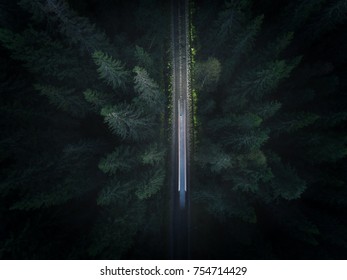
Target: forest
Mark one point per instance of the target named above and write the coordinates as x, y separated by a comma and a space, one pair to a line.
85, 129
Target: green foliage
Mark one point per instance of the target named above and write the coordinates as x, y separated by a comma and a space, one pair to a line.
248, 121
127, 121
325, 147
333, 14
298, 13
243, 45
231, 20
336, 237
262, 81
72, 184
114, 232
41, 54
149, 92
298, 225
54, 144
293, 121
65, 99
253, 158
116, 193
154, 155
286, 183
151, 183
96, 98
273, 49
271, 146
266, 110
144, 59
248, 140
10, 40
249, 176
222, 206
206, 74
78, 30
334, 119
110, 70
214, 158
60, 195
122, 159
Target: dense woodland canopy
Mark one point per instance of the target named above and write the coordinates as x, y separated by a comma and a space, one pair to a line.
84, 139
271, 169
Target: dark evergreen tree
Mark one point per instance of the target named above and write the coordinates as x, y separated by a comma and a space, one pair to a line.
62, 157
271, 129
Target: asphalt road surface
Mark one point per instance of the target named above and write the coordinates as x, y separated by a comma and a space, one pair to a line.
179, 246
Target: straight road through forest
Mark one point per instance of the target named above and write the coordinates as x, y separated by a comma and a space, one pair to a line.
180, 129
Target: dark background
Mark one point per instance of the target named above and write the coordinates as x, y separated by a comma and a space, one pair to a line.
84, 114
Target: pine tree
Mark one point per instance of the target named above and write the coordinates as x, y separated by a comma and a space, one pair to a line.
116, 193
262, 81
206, 74
122, 159
154, 155
65, 99
149, 92
288, 123
78, 30
212, 157
286, 183
243, 44
230, 21
151, 183
271, 128
127, 121
329, 147
114, 232
73, 185
144, 59
56, 139
110, 70
41, 54
97, 99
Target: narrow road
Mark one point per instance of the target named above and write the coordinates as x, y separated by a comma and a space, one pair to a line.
180, 129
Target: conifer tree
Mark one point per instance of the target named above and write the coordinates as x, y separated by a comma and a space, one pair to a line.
127, 121
271, 129
148, 90
110, 70
62, 155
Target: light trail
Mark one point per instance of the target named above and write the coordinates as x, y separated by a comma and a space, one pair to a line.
179, 189
182, 153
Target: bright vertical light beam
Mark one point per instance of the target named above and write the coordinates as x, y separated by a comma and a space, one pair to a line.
182, 167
